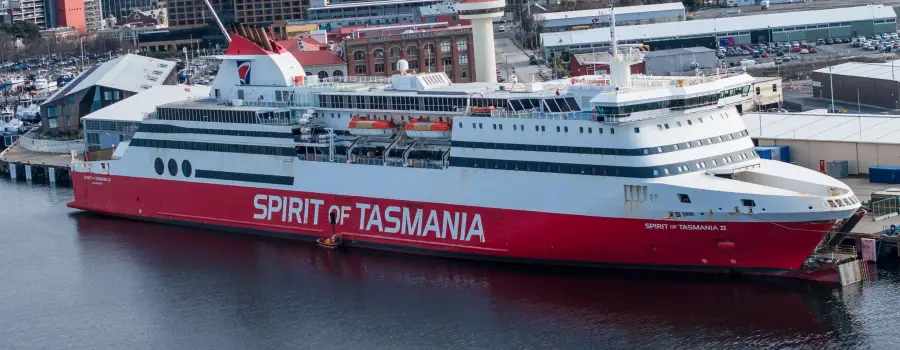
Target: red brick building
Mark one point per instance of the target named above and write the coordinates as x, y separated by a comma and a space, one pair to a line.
441, 12
442, 49
596, 63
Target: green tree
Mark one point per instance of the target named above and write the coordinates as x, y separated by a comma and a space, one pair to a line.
22, 29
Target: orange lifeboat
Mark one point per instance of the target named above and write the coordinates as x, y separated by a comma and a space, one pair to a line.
427, 129
362, 126
483, 110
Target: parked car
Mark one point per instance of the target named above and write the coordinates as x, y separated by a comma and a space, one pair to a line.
804, 51
797, 49
829, 41
820, 42
813, 50
764, 54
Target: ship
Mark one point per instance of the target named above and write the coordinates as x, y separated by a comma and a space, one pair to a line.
609, 171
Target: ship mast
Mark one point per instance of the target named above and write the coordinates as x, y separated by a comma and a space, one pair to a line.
620, 67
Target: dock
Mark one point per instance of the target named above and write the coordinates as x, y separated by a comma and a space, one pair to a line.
869, 227
18, 163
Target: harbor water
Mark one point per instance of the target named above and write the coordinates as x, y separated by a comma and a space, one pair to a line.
70, 280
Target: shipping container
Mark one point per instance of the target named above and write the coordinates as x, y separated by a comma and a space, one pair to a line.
837, 168
764, 152
884, 174
784, 153
781, 153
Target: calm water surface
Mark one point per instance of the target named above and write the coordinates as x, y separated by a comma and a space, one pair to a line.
70, 280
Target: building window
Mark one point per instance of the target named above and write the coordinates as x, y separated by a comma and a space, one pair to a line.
463, 59
359, 55
378, 53
774, 87
395, 51
412, 51
448, 61
462, 45
414, 64
445, 46
360, 69
757, 90
379, 68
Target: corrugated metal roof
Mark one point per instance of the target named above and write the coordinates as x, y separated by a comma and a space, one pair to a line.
679, 51
134, 107
604, 12
865, 70
866, 128
643, 32
129, 72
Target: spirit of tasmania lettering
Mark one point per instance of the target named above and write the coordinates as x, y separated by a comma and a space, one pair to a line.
419, 222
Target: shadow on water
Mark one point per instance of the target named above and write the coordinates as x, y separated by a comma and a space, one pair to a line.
263, 293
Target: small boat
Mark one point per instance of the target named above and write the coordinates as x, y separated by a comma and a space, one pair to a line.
362, 126
332, 242
423, 128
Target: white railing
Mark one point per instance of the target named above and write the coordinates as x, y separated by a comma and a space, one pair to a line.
30, 143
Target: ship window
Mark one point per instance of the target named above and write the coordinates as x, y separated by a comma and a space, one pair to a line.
659, 150
666, 171
683, 198
720, 139
566, 129
700, 120
480, 126
689, 122
581, 129
655, 172
536, 128
646, 151
590, 130
543, 128
460, 125
514, 127
714, 162
495, 126
678, 124
748, 202
612, 130
687, 144
675, 146
637, 130
599, 130
659, 126
473, 126
667, 125
698, 143
500, 126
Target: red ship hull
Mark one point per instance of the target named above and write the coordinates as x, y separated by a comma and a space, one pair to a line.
499, 234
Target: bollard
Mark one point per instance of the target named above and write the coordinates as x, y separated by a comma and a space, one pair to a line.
12, 171
51, 173
27, 172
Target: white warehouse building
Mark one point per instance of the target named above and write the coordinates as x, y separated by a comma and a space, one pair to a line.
862, 140
628, 15
784, 26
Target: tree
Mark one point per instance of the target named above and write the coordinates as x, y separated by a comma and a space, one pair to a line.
22, 29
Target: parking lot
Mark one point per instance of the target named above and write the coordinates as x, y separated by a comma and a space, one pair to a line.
824, 52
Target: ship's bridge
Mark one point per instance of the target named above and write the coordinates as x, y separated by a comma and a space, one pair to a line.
654, 97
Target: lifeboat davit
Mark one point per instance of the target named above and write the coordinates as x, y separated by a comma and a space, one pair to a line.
427, 129
365, 127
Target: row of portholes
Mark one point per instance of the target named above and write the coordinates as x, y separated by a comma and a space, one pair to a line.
173, 167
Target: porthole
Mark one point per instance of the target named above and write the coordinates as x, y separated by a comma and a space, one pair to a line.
173, 167
159, 166
186, 168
